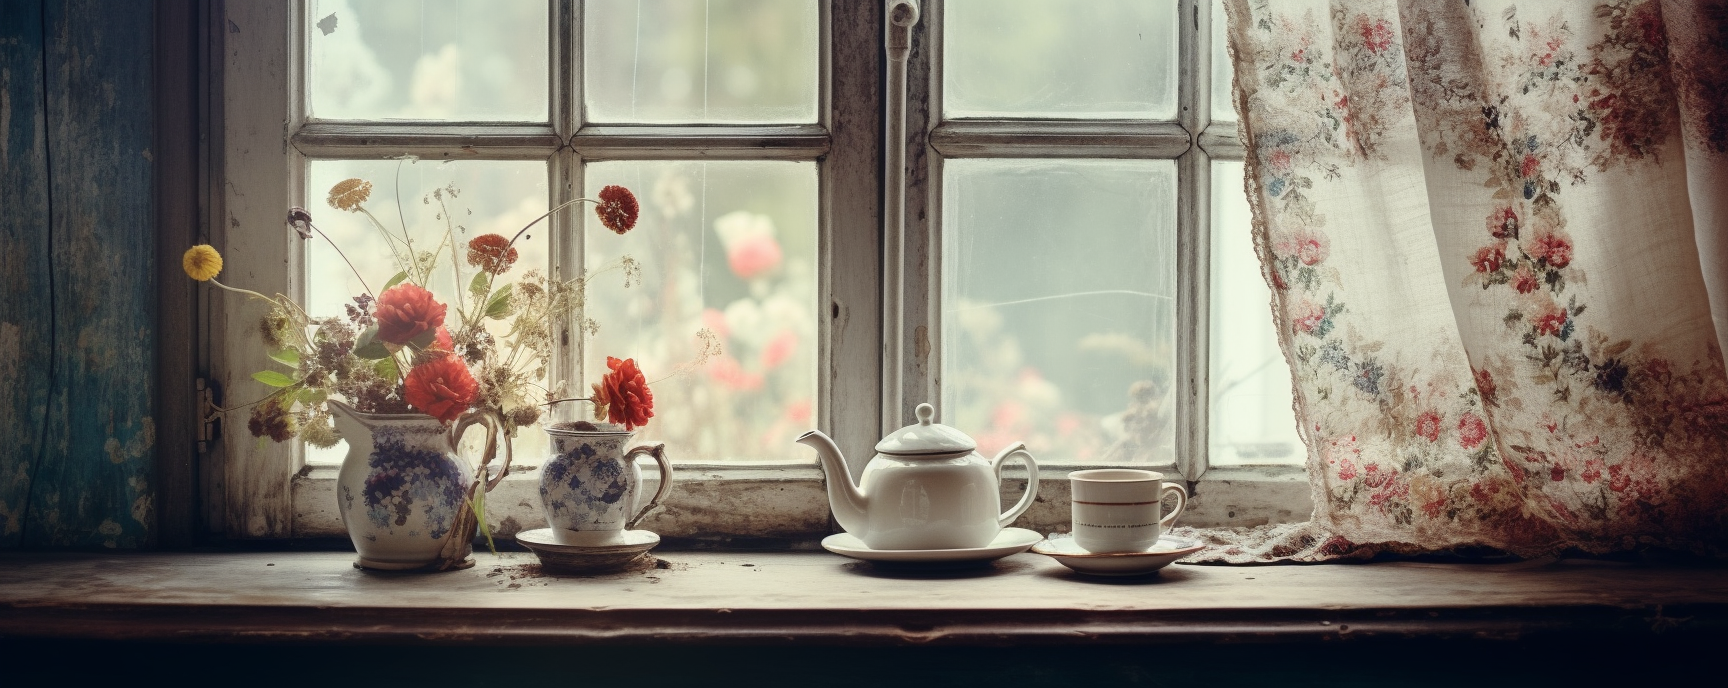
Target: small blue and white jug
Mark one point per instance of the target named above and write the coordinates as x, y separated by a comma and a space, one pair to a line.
590, 486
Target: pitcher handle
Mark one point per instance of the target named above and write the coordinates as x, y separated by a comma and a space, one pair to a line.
658, 453
1019, 449
493, 422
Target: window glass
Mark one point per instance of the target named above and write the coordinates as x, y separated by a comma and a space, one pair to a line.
453, 60
473, 197
1223, 101
701, 61
1058, 306
1059, 58
726, 246
1251, 414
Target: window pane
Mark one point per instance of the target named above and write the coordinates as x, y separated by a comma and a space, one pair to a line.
697, 61
727, 246
1251, 415
490, 197
456, 60
1223, 101
1058, 306
1059, 58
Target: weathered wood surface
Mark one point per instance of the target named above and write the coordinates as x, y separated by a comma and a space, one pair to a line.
89, 456
180, 182
26, 333
722, 597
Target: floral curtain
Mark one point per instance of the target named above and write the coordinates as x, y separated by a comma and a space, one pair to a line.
1497, 236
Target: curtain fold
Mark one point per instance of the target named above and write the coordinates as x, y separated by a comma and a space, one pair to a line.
1495, 236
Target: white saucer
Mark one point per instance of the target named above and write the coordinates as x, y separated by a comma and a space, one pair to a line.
609, 551
1061, 547
1008, 542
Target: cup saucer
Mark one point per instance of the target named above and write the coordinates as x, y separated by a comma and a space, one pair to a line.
617, 550
1062, 548
1008, 542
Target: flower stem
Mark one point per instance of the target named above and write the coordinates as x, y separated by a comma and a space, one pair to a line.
350, 263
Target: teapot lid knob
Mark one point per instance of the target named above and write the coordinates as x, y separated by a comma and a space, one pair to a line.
926, 413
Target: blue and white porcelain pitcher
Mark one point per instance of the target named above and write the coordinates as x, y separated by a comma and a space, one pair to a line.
590, 486
403, 491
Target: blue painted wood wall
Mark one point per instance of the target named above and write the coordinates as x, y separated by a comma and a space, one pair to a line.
77, 320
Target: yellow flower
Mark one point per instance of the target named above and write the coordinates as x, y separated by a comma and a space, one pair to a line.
348, 194
202, 262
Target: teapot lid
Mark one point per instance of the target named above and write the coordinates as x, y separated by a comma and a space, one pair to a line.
926, 437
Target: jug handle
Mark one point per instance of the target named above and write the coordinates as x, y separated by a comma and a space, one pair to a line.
1019, 449
658, 453
493, 422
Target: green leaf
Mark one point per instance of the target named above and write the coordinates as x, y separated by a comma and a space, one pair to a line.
480, 283
394, 281
423, 340
368, 347
313, 397
386, 368
287, 357
498, 307
478, 505
273, 378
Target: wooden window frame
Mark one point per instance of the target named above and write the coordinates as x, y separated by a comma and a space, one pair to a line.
263, 139
1191, 140
267, 139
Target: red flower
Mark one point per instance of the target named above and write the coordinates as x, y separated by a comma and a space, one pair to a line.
1557, 474
1524, 280
1489, 258
1592, 471
780, 348
1428, 425
1281, 160
1471, 429
1376, 35
1530, 166
628, 400
1312, 247
1552, 321
491, 253
1485, 385
1554, 248
406, 311
617, 209
1503, 222
441, 388
1346, 470
754, 256
1307, 316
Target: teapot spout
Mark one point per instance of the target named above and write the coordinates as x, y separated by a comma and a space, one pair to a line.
844, 498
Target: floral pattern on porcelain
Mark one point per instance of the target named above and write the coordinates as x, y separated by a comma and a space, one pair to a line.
401, 489
589, 484
410, 481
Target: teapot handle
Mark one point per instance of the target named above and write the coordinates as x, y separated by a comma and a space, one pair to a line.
1019, 449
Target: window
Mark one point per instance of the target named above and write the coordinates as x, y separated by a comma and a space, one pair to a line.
1050, 284
1085, 302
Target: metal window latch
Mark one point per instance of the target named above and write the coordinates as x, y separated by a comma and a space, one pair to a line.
209, 415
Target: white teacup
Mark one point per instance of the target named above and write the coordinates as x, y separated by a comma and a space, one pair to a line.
1117, 509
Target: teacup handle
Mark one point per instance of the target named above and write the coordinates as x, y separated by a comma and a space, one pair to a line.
1019, 449
658, 453
1181, 503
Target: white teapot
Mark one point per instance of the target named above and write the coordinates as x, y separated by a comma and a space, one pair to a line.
926, 488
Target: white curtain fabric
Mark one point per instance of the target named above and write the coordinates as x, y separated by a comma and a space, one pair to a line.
1497, 236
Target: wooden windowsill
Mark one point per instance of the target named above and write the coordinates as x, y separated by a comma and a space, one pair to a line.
701, 597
